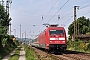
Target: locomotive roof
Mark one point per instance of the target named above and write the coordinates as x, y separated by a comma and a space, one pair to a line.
53, 25
55, 28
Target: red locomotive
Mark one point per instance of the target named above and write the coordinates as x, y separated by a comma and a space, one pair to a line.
53, 38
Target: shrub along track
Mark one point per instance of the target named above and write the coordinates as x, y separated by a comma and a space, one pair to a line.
67, 55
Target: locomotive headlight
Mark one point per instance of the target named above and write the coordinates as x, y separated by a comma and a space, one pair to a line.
47, 44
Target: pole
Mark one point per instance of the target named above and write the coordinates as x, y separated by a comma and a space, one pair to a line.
7, 12
25, 35
10, 29
22, 37
75, 23
20, 31
8, 3
7, 7
78, 27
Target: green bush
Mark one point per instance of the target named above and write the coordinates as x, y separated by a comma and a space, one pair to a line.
87, 46
7, 49
79, 45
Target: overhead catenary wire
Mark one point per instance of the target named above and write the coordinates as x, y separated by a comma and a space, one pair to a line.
35, 13
48, 12
72, 16
85, 2
52, 7
27, 12
81, 8
88, 12
59, 10
63, 16
68, 20
84, 6
38, 14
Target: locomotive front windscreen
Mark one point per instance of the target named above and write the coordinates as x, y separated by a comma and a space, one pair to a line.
57, 32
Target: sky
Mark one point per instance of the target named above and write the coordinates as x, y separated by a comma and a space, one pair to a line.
32, 14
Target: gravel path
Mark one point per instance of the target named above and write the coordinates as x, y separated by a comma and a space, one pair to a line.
22, 54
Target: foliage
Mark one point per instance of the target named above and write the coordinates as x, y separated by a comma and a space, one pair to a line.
4, 20
87, 47
8, 48
4, 23
17, 43
79, 46
6, 51
6, 42
83, 26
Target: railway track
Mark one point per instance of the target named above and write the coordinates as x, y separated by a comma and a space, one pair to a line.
77, 55
67, 55
73, 55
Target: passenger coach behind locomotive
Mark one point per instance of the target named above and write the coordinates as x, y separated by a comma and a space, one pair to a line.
53, 39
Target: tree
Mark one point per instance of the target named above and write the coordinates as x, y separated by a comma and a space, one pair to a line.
83, 26
1, 18
4, 24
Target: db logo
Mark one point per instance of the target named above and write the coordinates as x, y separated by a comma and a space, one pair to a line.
56, 38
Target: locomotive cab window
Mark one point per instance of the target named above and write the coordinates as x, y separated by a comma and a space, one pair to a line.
57, 32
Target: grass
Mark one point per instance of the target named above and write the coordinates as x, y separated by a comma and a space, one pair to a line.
30, 54
16, 54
